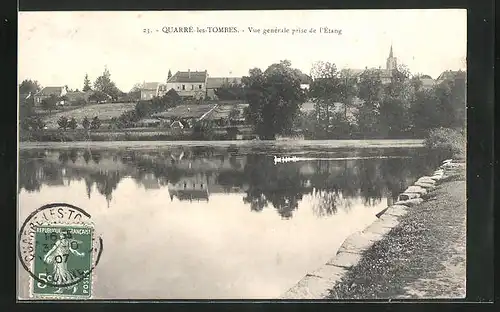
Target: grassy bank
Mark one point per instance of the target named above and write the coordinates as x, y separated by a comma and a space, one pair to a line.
117, 135
422, 257
451, 142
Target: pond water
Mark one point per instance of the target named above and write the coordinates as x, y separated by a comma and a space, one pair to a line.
218, 222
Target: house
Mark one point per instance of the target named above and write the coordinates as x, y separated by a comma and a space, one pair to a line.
50, 91
214, 83
305, 81
189, 84
177, 125
149, 90
190, 188
427, 82
447, 76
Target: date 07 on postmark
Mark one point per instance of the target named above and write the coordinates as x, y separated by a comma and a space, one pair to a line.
63, 261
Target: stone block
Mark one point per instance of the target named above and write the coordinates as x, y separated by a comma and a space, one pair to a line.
407, 196
330, 272
388, 220
310, 287
410, 202
426, 186
357, 243
426, 179
345, 259
397, 210
378, 228
416, 189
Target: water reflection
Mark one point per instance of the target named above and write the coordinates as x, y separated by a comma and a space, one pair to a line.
194, 174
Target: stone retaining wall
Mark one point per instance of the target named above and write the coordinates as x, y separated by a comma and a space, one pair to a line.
316, 284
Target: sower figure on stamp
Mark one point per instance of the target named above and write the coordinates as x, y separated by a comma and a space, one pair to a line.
58, 255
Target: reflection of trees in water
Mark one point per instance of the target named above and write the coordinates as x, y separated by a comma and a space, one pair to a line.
63, 157
86, 156
73, 155
326, 203
28, 180
335, 183
282, 186
96, 157
106, 183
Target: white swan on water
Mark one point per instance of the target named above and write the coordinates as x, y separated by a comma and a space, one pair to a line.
285, 159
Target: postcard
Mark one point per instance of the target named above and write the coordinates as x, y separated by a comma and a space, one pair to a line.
294, 154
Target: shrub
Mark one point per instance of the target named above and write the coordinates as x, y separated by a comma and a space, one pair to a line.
63, 122
72, 124
450, 141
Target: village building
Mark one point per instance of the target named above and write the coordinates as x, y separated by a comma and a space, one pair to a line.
427, 82
214, 83
446, 76
47, 92
149, 90
305, 81
188, 84
385, 74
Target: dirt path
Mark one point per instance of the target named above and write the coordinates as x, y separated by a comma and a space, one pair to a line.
422, 257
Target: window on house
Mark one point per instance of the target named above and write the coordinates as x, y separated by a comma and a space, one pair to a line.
183, 87
178, 87
192, 87
199, 86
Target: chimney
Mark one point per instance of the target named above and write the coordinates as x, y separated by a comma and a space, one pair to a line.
189, 73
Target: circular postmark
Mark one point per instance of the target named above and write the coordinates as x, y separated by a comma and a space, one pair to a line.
61, 237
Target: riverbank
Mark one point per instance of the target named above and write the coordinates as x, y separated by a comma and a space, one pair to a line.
413, 252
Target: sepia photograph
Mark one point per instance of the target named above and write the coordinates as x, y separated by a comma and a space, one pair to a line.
267, 155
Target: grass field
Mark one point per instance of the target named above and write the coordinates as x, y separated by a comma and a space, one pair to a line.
103, 111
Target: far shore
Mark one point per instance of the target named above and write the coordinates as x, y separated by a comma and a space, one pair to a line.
376, 143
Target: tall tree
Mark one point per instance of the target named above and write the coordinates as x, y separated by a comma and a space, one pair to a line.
370, 91
274, 98
104, 84
29, 86
86, 84
328, 91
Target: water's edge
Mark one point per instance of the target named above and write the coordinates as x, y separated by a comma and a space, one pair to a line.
316, 285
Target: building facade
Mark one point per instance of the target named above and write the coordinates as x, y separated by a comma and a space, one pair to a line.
188, 84
149, 90
48, 92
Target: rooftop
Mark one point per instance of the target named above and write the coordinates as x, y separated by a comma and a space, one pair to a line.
50, 91
217, 82
189, 76
150, 86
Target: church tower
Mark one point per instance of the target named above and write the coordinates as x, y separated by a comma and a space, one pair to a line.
391, 61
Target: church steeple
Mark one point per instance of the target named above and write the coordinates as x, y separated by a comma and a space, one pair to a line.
391, 61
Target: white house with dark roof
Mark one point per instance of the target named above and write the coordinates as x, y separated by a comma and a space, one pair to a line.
149, 90
189, 83
50, 91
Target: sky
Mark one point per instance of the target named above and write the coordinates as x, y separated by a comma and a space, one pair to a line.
59, 48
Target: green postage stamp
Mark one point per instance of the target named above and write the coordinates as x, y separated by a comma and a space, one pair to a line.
63, 261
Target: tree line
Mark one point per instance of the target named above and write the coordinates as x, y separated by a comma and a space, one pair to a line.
347, 105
